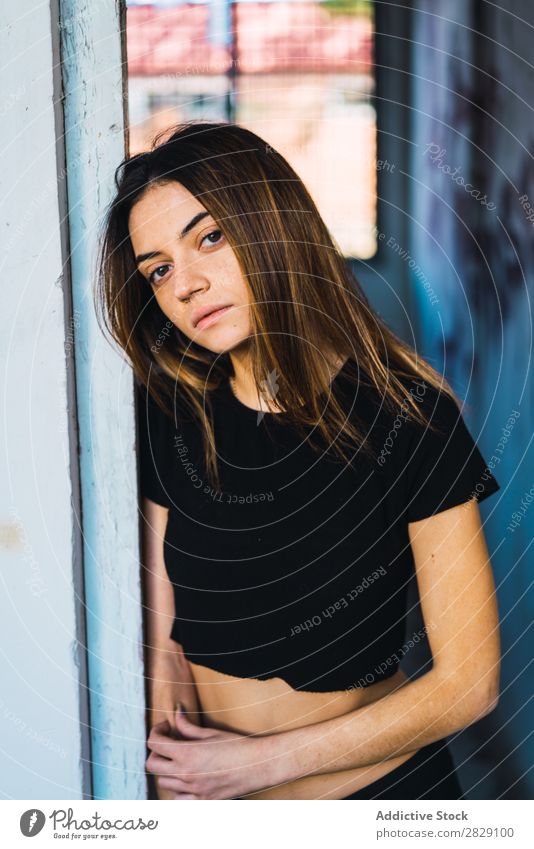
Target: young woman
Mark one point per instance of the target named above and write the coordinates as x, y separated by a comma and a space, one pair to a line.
299, 463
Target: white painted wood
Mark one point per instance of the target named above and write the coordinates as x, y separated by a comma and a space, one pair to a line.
93, 70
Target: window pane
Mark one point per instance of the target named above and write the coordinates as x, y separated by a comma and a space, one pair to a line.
300, 74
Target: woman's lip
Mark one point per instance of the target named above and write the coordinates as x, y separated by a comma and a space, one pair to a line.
211, 317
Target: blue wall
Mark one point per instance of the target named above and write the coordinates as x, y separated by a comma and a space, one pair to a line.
472, 118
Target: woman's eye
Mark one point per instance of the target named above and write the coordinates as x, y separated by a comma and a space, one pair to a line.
214, 236
151, 275
217, 233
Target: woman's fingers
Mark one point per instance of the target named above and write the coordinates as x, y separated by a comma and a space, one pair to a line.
175, 785
157, 716
169, 716
162, 794
160, 765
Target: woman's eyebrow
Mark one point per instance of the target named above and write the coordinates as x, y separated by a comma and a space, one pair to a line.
189, 226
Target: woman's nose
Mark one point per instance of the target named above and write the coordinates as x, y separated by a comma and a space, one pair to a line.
187, 281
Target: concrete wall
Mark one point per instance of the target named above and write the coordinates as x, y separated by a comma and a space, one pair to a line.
72, 705
44, 739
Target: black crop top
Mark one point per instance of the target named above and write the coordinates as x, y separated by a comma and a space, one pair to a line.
298, 567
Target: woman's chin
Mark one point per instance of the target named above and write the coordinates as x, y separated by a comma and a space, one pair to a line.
222, 341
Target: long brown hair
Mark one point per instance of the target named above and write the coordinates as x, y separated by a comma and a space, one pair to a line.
304, 299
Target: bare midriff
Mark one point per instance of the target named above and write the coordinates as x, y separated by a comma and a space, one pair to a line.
251, 706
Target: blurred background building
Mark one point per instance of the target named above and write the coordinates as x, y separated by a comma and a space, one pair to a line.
298, 74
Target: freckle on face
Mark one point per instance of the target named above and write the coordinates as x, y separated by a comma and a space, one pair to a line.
211, 274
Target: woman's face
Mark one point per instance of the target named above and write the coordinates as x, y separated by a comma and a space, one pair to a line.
191, 267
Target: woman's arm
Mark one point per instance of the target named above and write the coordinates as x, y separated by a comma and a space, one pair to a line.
458, 602
168, 672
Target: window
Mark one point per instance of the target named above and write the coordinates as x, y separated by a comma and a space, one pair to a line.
300, 74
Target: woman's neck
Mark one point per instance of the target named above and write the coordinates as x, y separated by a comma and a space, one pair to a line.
244, 386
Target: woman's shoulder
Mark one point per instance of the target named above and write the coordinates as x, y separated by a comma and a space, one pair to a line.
162, 419
436, 458
387, 409
163, 407
165, 432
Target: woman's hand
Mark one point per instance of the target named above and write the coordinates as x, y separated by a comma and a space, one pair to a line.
193, 762
170, 684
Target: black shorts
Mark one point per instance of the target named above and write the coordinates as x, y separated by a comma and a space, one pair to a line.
429, 774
